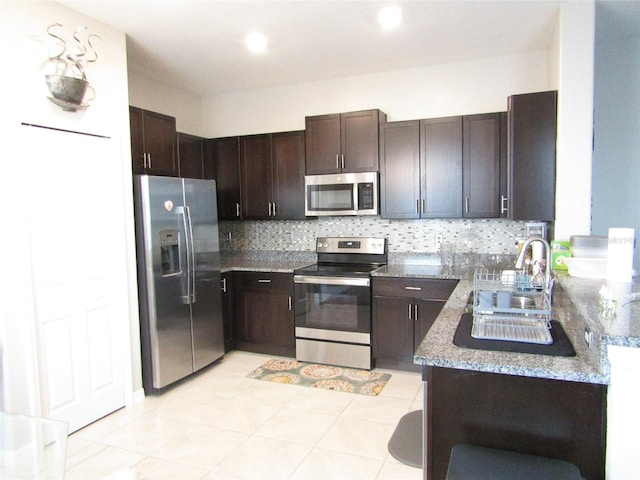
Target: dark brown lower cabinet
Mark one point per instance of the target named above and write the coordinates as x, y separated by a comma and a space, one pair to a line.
227, 311
263, 313
548, 418
403, 311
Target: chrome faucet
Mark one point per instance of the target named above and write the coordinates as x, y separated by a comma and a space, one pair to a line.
547, 266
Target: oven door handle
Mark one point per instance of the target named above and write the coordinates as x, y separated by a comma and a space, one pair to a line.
321, 280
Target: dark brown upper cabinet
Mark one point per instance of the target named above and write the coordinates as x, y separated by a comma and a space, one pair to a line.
441, 168
441, 175
190, 156
222, 162
153, 143
531, 177
481, 165
400, 169
272, 176
343, 142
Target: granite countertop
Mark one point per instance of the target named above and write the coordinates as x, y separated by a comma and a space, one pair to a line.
575, 305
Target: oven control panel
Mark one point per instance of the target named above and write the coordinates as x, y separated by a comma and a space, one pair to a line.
351, 245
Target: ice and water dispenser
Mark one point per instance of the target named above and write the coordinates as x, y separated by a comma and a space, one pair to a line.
170, 252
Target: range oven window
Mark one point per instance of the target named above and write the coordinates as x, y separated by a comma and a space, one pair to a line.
333, 307
330, 197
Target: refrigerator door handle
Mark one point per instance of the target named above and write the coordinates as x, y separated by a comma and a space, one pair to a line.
191, 258
186, 292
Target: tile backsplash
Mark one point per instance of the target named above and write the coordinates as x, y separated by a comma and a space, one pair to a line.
480, 236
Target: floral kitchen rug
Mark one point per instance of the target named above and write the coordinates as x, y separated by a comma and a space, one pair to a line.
327, 377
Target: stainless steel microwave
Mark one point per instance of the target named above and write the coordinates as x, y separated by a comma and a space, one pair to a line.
341, 194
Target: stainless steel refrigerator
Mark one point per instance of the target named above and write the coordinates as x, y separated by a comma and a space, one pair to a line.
178, 258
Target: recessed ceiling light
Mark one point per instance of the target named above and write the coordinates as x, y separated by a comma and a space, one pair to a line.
390, 17
256, 42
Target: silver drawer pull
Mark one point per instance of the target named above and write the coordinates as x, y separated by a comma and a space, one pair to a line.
413, 288
264, 280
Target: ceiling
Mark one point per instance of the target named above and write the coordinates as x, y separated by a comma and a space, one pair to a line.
198, 46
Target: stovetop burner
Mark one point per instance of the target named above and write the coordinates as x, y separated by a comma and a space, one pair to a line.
333, 269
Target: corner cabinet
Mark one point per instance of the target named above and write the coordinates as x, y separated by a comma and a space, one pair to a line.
343, 142
404, 310
222, 163
531, 181
190, 156
272, 176
263, 313
153, 143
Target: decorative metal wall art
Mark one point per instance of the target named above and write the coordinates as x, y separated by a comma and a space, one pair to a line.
67, 81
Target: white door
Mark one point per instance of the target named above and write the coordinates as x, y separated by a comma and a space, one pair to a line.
79, 276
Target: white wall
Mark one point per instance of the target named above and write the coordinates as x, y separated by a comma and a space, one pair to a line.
158, 97
478, 86
23, 28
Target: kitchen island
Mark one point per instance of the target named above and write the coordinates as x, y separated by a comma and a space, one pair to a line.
546, 405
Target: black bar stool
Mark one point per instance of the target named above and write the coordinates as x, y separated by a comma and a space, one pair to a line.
469, 462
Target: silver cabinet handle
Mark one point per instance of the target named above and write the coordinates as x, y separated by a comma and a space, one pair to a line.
224, 285
149, 160
415, 317
237, 209
423, 206
503, 204
418, 206
409, 312
337, 161
144, 160
264, 280
274, 209
466, 204
342, 161
269, 209
290, 303
413, 288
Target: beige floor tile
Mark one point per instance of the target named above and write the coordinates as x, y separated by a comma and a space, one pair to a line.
378, 408
321, 401
329, 465
264, 458
269, 392
298, 426
76, 455
200, 446
358, 437
106, 462
240, 416
144, 435
399, 471
402, 384
157, 469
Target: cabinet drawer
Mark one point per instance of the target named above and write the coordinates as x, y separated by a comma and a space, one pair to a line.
423, 288
268, 280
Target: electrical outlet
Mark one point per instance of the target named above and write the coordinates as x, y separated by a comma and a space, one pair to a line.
438, 242
588, 337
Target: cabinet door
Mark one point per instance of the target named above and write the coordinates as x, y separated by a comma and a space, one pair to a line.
225, 160
441, 148
287, 153
359, 140
322, 144
392, 331
227, 310
425, 313
532, 127
160, 143
256, 182
190, 156
400, 170
481, 165
264, 318
138, 157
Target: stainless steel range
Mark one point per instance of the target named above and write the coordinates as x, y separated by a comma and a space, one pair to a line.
333, 301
